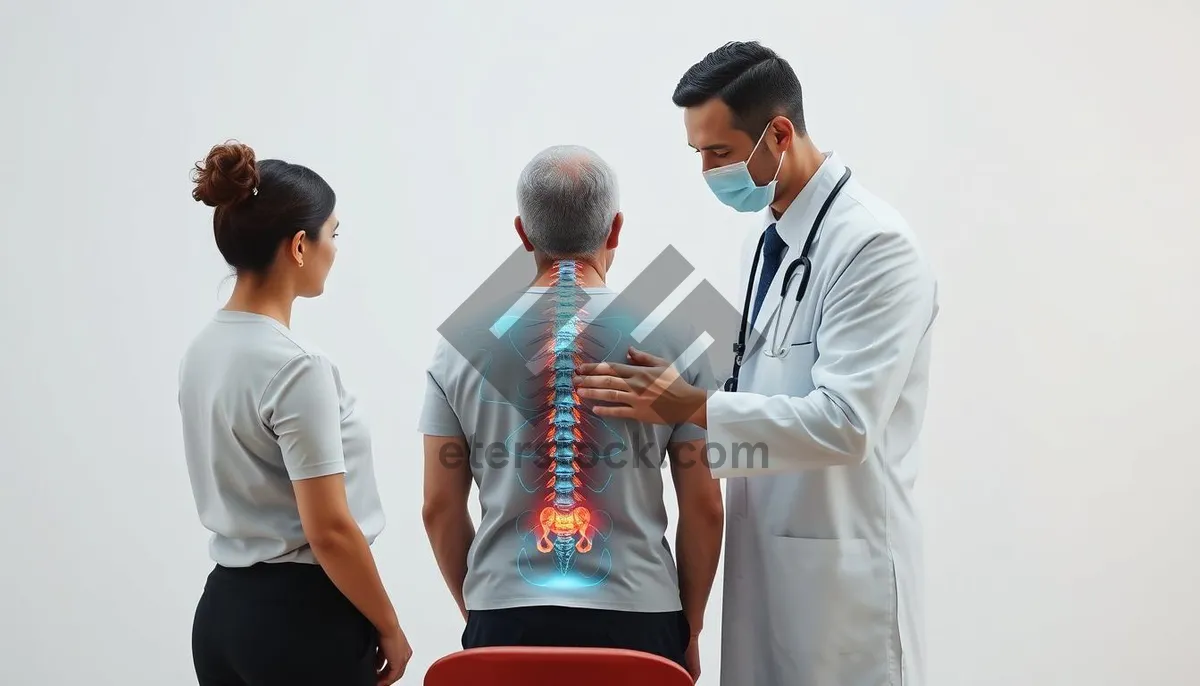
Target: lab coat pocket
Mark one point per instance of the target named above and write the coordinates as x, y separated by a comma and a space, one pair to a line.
788, 374
829, 613
797, 366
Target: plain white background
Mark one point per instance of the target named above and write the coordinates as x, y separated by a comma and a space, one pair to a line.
1045, 151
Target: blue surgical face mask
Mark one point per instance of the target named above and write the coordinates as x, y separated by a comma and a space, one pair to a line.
733, 185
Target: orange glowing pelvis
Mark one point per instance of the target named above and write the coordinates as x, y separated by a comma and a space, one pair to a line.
556, 523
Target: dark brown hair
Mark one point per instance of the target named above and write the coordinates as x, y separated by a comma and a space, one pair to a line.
259, 203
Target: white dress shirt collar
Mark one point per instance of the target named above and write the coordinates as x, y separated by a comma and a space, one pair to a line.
797, 219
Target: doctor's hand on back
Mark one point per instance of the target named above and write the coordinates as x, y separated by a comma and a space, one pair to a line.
648, 389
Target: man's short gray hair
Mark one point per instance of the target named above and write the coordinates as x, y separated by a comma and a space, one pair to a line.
567, 200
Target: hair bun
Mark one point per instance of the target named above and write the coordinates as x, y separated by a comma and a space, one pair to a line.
227, 176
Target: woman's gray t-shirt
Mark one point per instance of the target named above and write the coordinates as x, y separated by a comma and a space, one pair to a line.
261, 409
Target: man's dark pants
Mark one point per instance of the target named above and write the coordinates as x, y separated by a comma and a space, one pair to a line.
665, 634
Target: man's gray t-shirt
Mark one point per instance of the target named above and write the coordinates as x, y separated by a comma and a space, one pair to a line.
572, 503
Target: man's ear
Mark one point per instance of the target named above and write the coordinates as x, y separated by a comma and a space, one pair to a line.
782, 133
614, 234
521, 233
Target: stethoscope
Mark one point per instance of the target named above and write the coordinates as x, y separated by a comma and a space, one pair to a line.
772, 351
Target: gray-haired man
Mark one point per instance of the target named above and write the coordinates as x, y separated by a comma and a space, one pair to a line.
572, 547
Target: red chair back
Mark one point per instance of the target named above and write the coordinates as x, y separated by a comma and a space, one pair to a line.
526, 666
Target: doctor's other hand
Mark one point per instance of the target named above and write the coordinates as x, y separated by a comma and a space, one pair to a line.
648, 389
393, 656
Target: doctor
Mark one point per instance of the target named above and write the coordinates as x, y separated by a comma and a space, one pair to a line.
817, 428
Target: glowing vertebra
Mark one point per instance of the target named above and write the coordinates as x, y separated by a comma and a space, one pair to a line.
564, 524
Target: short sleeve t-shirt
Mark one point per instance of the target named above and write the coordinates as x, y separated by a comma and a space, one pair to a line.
572, 503
261, 409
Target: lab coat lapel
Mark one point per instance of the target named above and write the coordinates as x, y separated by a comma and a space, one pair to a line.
793, 227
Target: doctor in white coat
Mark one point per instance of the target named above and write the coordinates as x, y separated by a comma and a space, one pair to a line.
817, 432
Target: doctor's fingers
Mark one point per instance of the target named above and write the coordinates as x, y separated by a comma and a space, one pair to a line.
611, 382
607, 395
615, 412
643, 358
606, 369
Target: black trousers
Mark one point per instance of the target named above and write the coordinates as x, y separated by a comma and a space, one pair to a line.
280, 624
665, 634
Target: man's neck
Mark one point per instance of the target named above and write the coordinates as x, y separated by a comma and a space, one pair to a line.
802, 166
587, 275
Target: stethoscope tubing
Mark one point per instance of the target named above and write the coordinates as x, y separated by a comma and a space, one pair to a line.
739, 347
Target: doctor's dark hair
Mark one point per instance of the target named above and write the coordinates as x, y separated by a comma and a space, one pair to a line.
259, 203
753, 81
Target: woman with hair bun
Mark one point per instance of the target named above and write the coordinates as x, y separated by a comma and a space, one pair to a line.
279, 458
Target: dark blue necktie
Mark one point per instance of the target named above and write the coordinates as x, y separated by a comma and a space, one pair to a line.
772, 256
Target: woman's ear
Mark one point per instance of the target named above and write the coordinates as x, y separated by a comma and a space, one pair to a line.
297, 248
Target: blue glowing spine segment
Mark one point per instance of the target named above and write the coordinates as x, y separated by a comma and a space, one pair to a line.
566, 519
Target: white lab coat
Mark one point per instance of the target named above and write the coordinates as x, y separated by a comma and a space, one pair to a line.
823, 570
